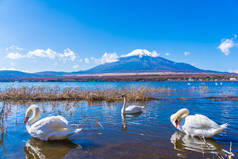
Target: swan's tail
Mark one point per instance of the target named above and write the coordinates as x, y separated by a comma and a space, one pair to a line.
224, 126
77, 130
218, 130
142, 107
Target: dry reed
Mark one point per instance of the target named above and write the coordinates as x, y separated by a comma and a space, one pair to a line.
43, 93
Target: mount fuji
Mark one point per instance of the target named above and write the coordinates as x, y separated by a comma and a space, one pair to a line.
141, 60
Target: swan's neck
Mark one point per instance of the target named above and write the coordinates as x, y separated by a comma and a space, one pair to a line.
28, 128
181, 123
124, 106
35, 116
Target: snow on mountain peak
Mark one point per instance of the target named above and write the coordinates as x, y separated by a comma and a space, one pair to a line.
141, 53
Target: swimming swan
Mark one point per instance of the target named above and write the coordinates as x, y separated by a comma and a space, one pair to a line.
130, 110
195, 125
49, 128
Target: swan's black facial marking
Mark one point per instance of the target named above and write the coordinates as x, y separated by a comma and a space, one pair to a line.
123, 95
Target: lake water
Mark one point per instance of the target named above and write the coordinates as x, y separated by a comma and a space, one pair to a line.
106, 134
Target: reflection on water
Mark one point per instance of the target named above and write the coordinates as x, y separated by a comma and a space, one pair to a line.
2, 142
123, 117
183, 142
107, 134
52, 149
124, 122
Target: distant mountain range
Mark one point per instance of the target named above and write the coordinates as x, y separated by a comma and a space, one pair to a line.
137, 63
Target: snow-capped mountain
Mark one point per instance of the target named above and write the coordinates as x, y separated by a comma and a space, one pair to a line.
141, 53
144, 61
137, 61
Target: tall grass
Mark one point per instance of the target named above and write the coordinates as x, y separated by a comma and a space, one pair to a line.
43, 93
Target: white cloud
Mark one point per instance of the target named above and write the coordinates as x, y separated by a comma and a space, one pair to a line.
141, 52
113, 57
42, 53
33, 56
109, 57
14, 52
8, 69
14, 55
233, 71
76, 66
167, 54
106, 58
14, 48
186, 53
13, 69
227, 44
68, 53
47, 53
86, 60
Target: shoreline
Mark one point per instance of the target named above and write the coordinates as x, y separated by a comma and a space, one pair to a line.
112, 77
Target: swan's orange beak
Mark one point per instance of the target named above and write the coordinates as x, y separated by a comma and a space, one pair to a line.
26, 119
176, 123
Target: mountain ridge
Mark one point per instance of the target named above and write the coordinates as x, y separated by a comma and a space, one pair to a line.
138, 63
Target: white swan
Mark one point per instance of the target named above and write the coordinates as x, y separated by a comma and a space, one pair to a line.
130, 110
195, 125
49, 128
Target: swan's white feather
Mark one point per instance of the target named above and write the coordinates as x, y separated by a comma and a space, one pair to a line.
50, 128
200, 125
199, 121
196, 125
132, 109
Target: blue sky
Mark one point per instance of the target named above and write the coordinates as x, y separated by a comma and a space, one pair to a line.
76, 35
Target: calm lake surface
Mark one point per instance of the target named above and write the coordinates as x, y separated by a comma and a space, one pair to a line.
106, 134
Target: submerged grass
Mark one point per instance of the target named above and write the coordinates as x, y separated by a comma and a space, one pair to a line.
44, 93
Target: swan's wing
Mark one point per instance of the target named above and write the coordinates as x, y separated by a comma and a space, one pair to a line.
47, 125
199, 121
52, 122
134, 108
200, 125
60, 135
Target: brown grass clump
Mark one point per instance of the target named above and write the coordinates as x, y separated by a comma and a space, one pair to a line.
43, 93
224, 98
182, 98
203, 89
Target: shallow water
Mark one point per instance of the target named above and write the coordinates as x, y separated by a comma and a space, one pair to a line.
106, 134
